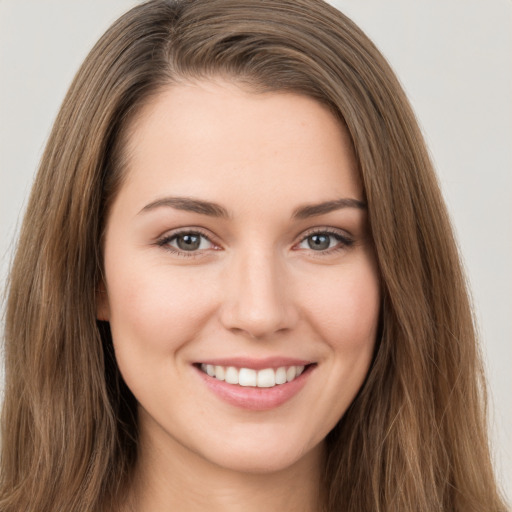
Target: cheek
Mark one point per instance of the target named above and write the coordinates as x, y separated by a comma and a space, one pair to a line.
348, 324
345, 308
156, 308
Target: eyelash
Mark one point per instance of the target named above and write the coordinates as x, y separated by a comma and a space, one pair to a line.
344, 242
167, 239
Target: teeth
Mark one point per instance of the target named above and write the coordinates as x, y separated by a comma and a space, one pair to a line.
291, 373
231, 375
281, 376
220, 373
267, 378
247, 377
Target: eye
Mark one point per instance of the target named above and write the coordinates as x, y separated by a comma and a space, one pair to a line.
325, 241
186, 242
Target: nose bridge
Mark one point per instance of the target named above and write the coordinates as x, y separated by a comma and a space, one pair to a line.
257, 295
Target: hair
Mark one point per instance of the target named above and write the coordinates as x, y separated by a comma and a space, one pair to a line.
414, 437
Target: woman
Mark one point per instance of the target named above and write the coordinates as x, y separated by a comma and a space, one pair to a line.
245, 290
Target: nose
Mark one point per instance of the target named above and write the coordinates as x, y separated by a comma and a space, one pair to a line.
257, 297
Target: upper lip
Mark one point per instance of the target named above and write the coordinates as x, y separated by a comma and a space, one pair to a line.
256, 364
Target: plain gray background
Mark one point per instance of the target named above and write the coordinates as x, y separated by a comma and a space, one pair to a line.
454, 58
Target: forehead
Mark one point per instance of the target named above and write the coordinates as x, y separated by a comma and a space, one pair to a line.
215, 138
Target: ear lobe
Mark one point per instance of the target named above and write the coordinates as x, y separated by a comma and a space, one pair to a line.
102, 305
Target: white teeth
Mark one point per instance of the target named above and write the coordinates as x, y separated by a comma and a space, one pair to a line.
220, 373
266, 378
247, 377
281, 375
231, 375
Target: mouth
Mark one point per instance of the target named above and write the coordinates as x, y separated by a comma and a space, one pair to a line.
256, 378
255, 385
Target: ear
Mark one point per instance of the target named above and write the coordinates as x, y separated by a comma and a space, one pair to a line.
102, 305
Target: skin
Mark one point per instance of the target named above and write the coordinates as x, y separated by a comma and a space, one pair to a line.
254, 288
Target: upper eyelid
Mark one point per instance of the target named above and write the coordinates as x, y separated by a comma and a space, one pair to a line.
170, 234
326, 230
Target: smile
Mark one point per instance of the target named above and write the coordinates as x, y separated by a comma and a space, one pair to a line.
255, 384
248, 377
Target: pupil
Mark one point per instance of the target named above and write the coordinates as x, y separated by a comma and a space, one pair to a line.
319, 242
189, 242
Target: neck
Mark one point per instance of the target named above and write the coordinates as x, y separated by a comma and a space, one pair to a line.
178, 479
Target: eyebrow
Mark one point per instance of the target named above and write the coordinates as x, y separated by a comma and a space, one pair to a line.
188, 204
313, 210
215, 210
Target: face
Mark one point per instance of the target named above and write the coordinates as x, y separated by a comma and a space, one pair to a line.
240, 283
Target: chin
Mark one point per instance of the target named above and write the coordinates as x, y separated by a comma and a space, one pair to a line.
265, 458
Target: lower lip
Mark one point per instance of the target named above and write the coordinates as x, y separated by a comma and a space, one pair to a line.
253, 398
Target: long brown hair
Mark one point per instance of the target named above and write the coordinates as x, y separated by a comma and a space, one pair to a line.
415, 436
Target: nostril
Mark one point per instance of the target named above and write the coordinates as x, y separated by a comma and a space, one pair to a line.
258, 321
